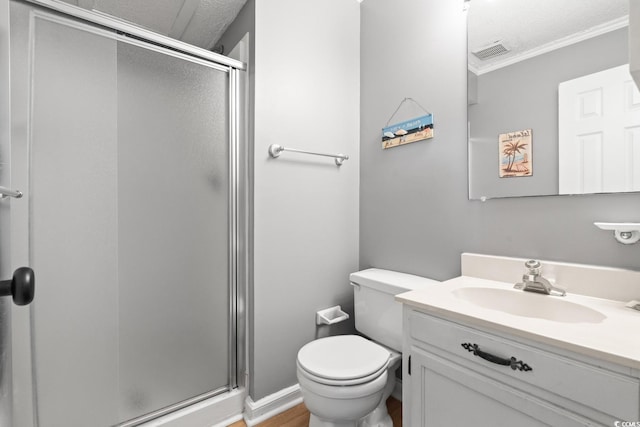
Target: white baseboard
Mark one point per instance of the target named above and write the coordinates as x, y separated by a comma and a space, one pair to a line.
267, 407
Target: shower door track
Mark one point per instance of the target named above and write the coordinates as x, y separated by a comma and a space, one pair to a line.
169, 409
138, 36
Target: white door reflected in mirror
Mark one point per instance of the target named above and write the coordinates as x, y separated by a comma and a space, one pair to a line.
599, 133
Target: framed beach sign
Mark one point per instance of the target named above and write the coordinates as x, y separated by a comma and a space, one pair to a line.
408, 131
515, 154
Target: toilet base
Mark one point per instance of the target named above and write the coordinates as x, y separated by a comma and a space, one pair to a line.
317, 422
378, 418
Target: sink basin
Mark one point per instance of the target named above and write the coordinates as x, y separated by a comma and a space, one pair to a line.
529, 304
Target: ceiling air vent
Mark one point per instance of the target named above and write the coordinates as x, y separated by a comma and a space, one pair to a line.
488, 52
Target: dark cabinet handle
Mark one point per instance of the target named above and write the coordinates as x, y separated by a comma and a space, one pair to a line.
21, 287
512, 362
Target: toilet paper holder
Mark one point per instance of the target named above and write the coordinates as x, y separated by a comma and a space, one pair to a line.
331, 315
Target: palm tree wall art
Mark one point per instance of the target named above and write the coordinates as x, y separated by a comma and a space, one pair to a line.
514, 154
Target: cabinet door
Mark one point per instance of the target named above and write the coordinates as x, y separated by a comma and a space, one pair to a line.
443, 393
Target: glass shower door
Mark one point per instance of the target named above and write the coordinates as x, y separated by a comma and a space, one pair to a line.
123, 150
173, 229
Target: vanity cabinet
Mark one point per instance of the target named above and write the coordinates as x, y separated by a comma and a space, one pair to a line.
447, 380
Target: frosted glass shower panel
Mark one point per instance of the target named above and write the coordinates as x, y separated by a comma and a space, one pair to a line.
173, 257
122, 150
73, 213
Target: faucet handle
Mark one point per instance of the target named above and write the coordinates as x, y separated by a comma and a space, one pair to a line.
533, 266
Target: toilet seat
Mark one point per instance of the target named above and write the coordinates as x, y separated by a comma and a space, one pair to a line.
342, 360
331, 382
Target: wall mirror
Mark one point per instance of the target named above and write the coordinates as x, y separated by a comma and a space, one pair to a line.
197, 22
541, 76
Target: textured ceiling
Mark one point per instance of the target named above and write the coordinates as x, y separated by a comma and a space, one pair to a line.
523, 25
198, 22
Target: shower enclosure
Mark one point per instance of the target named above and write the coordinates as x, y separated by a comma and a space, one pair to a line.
126, 151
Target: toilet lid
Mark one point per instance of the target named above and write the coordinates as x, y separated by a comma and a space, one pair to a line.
342, 357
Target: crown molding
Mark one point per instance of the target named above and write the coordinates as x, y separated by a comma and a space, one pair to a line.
598, 30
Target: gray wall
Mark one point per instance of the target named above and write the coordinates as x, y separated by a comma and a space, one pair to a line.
243, 24
304, 228
525, 96
305, 224
414, 212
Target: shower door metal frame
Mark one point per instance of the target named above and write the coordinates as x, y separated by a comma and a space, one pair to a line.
137, 32
22, 347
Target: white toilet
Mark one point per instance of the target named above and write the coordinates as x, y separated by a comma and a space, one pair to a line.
346, 379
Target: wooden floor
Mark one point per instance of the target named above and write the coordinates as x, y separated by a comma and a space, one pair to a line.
298, 416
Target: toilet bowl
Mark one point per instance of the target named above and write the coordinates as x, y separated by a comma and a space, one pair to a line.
345, 380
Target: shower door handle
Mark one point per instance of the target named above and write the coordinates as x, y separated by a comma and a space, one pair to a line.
21, 287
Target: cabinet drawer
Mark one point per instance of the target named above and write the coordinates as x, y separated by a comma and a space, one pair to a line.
605, 391
492, 403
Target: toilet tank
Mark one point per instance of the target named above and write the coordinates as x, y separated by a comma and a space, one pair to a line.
377, 314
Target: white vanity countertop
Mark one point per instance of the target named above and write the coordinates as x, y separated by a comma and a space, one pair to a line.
614, 339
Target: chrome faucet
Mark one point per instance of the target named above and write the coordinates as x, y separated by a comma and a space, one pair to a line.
533, 281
